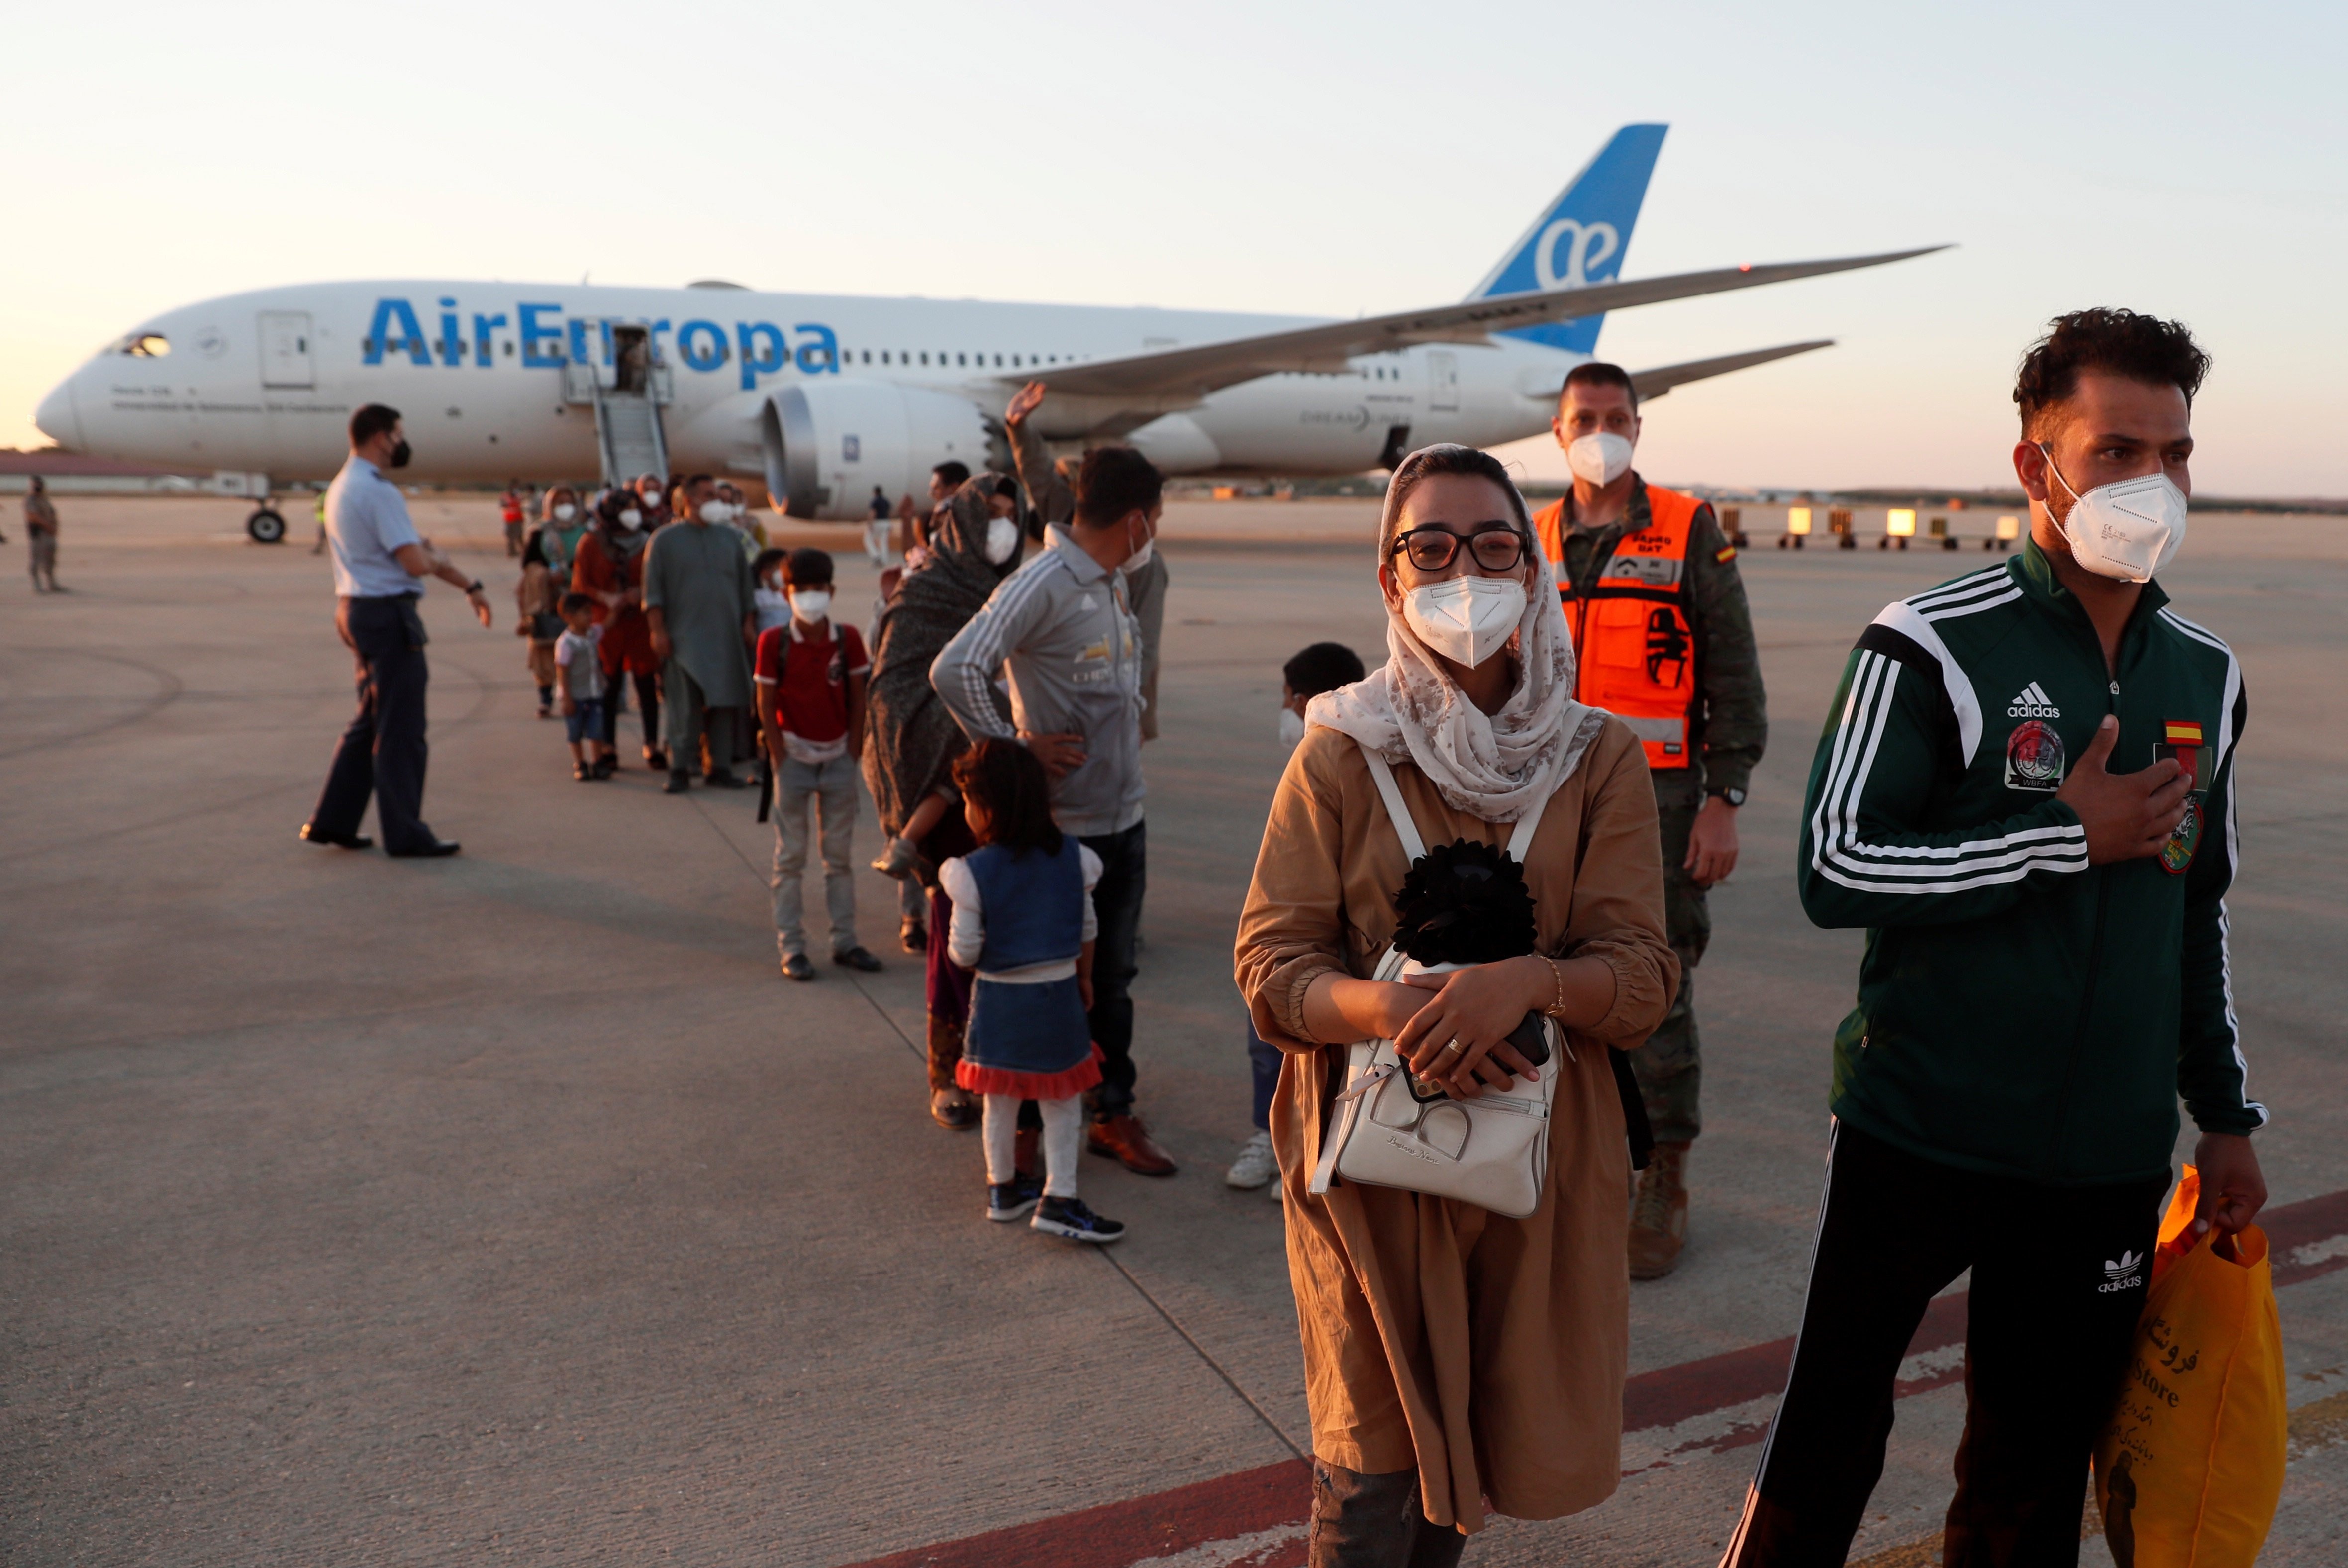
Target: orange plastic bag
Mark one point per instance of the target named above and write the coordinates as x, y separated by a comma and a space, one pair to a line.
2190, 1470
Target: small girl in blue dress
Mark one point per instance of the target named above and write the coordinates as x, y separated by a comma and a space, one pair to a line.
1022, 918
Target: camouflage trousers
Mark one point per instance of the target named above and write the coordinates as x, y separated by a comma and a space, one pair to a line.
1670, 1066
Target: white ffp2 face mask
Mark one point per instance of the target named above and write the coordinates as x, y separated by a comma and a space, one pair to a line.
1002, 539
632, 519
1466, 619
810, 604
2128, 529
1292, 728
1140, 558
1598, 459
565, 512
717, 511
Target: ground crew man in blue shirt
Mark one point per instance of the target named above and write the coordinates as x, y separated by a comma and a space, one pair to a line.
380, 563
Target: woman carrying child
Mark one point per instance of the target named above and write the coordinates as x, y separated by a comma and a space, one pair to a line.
1023, 919
543, 584
912, 740
608, 568
1454, 1356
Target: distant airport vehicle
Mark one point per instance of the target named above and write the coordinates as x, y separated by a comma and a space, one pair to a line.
825, 396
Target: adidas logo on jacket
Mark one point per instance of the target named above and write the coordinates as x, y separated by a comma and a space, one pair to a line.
2021, 1012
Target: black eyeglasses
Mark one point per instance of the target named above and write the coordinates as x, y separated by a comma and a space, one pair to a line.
1497, 546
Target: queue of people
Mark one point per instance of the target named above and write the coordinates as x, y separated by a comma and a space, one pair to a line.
1580, 686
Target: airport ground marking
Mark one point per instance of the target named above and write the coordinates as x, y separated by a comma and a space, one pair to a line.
1255, 1518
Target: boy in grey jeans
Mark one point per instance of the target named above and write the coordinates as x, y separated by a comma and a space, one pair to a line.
810, 676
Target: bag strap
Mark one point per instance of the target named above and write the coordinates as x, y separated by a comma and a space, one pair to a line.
1521, 841
1406, 829
1397, 811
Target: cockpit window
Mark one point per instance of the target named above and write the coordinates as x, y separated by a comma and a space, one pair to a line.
145, 346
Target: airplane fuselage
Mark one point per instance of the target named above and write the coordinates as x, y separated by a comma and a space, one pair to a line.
264, 382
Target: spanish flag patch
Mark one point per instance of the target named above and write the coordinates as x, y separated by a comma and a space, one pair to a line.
1725, 553
2182, 732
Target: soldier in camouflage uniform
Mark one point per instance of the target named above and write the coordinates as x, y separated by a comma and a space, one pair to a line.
1663, 640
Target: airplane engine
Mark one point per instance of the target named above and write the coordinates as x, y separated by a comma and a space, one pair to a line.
826, 445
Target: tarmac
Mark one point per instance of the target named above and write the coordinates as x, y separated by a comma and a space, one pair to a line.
511, 1208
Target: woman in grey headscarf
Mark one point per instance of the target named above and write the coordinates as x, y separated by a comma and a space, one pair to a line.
1453, 1356
911, 739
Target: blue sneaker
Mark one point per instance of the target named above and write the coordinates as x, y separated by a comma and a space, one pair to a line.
1068, 1217
1009, 1201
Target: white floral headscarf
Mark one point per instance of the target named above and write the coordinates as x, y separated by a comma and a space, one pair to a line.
1496, 766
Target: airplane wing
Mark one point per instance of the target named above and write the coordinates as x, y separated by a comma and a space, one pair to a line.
1651, 385
1174, 377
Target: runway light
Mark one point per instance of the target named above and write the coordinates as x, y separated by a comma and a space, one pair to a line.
1797, 520
1899, 523
2009, 529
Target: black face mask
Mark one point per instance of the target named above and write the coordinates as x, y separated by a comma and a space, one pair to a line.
400, 454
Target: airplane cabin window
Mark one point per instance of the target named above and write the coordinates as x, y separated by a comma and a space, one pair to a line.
925, 356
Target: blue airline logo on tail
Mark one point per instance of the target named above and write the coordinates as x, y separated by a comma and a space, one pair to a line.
1582, 238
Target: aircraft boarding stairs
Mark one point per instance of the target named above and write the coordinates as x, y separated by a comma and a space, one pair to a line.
626, 396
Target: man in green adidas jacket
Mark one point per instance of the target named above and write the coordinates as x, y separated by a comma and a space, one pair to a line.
2025, 792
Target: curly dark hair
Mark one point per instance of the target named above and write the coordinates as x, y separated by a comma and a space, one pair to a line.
1004, 777
2120, 342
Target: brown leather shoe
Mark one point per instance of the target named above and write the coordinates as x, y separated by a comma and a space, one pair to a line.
952, 1109
1126, 1141
1659, 1215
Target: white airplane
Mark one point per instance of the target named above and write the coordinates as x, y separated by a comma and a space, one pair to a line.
826, 397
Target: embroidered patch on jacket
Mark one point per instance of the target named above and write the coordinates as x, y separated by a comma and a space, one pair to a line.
2033, 757
2178, 854
1725, 554
2182, 739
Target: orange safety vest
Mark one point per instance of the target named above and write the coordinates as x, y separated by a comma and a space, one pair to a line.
1633, 640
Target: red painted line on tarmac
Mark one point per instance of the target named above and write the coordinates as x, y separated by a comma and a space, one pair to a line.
1116, 1534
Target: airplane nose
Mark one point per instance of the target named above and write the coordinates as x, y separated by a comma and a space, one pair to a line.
58, 416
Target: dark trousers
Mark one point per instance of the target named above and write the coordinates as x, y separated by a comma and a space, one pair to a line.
1670, 1066
382, 752
1264, 1065
1374, 1522
2059, 1276
1117, 907
648, 704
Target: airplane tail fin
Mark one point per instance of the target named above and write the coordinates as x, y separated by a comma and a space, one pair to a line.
1581, 236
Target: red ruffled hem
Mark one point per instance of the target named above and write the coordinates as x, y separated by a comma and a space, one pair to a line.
977, 1079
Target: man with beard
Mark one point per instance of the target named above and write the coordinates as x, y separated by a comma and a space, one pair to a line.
700, 609
1065, 627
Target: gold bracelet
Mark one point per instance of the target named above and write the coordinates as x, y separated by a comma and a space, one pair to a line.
1557, 1006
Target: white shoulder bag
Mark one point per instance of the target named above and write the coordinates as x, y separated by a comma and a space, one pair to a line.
1492, 1150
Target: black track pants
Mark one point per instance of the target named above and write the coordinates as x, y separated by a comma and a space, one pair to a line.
2059, 1276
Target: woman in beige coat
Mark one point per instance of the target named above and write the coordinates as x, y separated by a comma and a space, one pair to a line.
1456, 1360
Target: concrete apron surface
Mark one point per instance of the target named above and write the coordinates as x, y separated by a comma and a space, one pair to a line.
512, 1208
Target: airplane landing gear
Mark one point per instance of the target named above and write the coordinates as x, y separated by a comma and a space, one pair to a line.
265, 526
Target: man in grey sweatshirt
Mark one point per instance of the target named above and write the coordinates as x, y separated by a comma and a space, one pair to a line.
1063, 627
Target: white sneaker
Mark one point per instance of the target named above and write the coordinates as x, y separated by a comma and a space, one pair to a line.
1256, 1164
